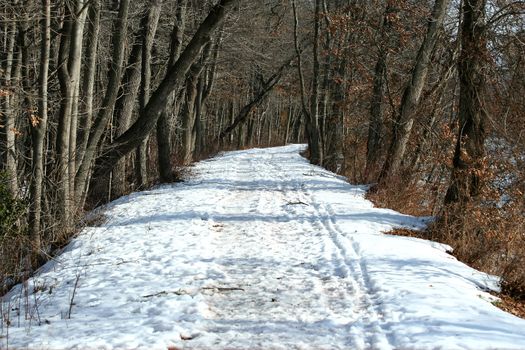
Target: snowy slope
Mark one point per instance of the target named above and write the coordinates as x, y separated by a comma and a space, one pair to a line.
260, 250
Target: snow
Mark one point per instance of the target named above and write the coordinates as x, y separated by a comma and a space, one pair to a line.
258, 250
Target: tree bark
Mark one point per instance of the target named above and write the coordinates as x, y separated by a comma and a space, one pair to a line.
70, 56
164, 150
149, 25
6, 106
124, 112
189, 111
158, 101
204, 88
38, 130
335, 121
88, 87
311, 125
375, 125
468, 164
108, 104
64, 122
316, 150
405, 118
74, 69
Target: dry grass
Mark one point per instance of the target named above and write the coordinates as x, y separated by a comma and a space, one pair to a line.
14, 268
510, 305
406, 198
488, 237
509, 299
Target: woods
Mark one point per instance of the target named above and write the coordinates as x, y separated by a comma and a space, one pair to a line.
421, 99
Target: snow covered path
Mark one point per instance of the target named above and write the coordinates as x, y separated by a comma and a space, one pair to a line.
260, 250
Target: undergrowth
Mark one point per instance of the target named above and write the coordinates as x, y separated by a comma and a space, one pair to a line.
487, 233
13, 236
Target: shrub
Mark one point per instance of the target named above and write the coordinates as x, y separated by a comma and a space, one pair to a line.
12, 236
11, 209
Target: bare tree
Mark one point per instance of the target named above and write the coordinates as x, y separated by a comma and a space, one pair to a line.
164, 130
8, 99
405, 117
149, 26
108, 104
375, 125
159, 98
38, 130
311, 112
468, 162
69, 78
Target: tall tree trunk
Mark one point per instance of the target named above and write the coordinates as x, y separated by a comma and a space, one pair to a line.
316, 150
27, 106
74, 68
172, 80
164, 123
88, 87
38, 130
439, 91
6, 106
335, 121
468, 163
310, 113
375, 125
204, 88
331, 118
198, 127
405, 118
149, 25
69, 78
189, 114
108, 104
124, 112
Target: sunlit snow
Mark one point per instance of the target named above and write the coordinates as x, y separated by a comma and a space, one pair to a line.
258, 250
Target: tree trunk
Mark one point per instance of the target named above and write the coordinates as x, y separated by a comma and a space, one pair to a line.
335, 121
468, 163
375, 125
188, 118
74, 69
316, 146
124, 113
69, 77
204, 89
198, 126
38, 131
6, 107
405, 119
173, 80
164, 150
108, 104
189, 114
311, 120
88, 88
149, 27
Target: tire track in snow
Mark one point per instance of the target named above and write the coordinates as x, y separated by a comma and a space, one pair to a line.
348, 251
238, 244
344, 290
335, 290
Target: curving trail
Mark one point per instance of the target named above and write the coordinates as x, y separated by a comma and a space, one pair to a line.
259, 250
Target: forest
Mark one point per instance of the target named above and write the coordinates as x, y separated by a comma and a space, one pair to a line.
421, 100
